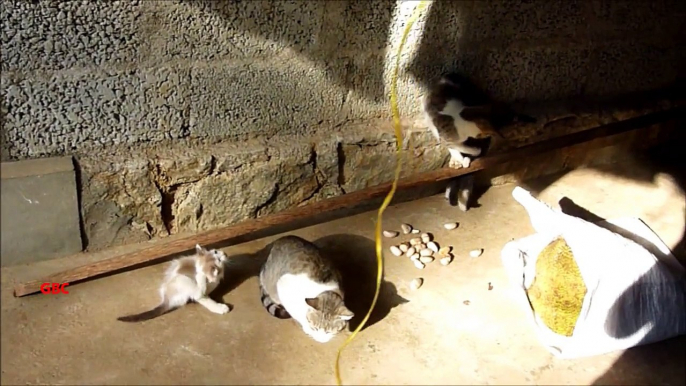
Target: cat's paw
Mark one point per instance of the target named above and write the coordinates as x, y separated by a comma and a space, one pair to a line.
455, 163
466, 161
221, 309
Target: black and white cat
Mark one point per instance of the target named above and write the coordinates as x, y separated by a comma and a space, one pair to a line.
456, 111
461, 189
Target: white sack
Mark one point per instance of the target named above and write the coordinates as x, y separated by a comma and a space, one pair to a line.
633, 298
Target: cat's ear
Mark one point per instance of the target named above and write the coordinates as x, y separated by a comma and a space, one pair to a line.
345, 314
313, 302
199, 249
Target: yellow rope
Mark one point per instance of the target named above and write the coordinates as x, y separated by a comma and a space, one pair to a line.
389, 196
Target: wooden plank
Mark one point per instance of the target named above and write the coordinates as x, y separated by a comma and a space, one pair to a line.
598, 137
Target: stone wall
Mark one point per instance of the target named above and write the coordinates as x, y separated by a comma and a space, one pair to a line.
186, 115
193, 186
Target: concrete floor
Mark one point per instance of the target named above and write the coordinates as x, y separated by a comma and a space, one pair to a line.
429, 336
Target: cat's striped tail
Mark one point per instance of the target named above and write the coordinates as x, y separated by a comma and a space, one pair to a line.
274, 309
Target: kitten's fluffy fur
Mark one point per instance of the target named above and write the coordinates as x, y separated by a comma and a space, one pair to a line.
455, 111
189, 278
297, 281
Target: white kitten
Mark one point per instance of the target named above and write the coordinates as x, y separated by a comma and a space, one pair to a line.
189, 278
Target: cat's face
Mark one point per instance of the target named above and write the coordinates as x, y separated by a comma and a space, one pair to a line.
326, 317
219, 256
214, 262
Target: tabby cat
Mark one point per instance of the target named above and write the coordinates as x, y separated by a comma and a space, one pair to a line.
298, 281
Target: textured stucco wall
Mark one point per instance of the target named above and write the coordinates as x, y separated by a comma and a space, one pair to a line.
82, 73
151, 96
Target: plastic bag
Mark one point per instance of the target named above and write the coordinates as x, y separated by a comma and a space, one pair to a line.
632, 298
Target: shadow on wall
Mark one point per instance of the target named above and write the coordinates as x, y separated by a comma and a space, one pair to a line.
667, 158
514, 50
347, 38
355, 256
487, 42
552, 50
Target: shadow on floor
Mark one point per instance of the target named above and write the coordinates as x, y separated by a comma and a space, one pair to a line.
667, 158
239, 269
355, 256
661, 362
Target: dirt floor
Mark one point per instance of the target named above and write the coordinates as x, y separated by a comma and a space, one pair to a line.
453, 330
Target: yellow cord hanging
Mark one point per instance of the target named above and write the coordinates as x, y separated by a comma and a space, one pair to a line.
389, 196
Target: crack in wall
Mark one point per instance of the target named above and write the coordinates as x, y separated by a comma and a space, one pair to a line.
341, 166
213, 165
199, 212
319, 176
154, 173
269, 201
167, 207
167, 198
168, 192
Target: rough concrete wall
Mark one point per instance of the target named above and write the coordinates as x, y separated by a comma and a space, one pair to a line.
154, 96
543, 50
82, 73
